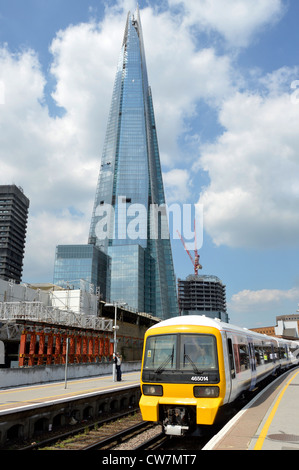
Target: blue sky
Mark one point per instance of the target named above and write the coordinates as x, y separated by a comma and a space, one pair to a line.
223, 75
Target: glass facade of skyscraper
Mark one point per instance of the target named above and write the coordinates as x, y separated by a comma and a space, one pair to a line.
127, 275
130, 188
82, 266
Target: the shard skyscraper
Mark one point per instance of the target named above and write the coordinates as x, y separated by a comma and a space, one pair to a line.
128, 221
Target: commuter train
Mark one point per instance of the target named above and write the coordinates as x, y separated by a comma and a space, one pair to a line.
194, 365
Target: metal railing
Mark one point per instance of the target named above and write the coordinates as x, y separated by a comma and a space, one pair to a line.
37, 311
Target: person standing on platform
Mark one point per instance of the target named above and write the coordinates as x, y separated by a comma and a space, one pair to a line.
118, 367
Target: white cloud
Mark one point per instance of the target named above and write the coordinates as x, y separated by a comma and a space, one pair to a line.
180, 76
252, 198
280, 81
40, 153
55, 160
45, 231
238, 21
176, 183
248, 300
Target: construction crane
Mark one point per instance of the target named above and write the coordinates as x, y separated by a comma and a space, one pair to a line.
194, 261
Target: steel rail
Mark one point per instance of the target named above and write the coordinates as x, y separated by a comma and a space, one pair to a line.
121, 436
73, 432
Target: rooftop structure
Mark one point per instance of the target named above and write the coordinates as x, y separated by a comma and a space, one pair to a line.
287, 327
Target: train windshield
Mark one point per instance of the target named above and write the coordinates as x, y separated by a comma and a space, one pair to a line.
198, 352
161, 352
185, 352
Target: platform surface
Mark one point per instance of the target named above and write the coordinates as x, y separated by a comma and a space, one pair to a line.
20, 398
268, 422
279, 429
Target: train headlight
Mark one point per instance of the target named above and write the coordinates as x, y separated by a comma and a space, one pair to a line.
156, 390
206, 392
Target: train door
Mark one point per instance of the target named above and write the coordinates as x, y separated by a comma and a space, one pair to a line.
274, 357
231, 358
252, 364
231, 367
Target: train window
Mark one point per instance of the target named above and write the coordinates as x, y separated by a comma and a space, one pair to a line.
268, 354
293, 352
259, 355
281, 352
244, 356
241, 357
237, 358
275, 351
160, 352
198, 352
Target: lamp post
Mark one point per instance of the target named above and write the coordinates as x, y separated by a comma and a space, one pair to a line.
115, 328
66, 362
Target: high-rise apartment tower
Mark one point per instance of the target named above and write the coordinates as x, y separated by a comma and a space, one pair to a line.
129, 220
13, 226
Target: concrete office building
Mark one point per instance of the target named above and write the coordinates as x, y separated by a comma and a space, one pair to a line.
14, 206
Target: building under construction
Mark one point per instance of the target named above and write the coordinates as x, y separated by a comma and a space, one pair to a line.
202, 295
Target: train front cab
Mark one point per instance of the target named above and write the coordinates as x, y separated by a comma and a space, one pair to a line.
178, 389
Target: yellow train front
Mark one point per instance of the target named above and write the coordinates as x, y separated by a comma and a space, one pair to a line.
183, 376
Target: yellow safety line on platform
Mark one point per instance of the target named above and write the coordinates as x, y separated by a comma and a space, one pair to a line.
264, 432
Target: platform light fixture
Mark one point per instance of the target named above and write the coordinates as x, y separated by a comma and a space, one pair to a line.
115, 328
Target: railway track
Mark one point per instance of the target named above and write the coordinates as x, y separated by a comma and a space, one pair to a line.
125, 431
153, 443
124, 435
83, 433
121, 432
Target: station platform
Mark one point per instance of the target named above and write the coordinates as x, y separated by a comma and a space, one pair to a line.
25, 397
269, 422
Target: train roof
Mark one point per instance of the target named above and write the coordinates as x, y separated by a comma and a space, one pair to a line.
196, 320
202, 320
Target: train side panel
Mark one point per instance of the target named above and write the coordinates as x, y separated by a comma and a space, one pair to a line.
251, 359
